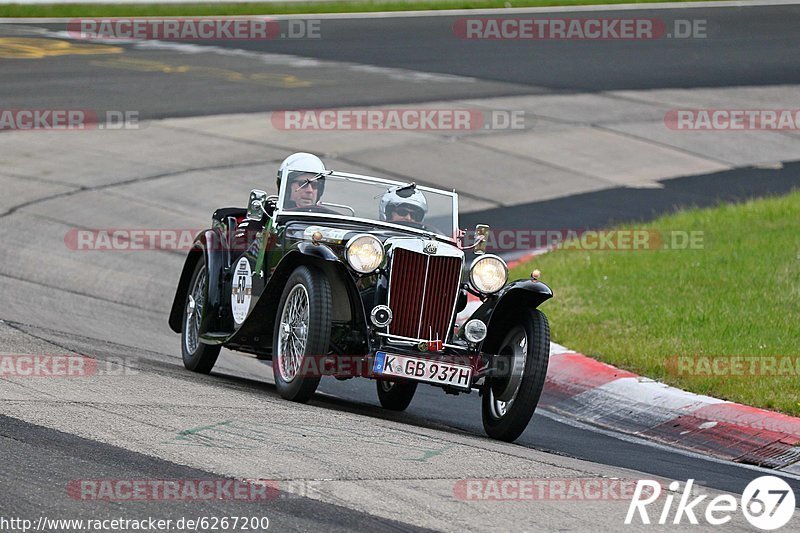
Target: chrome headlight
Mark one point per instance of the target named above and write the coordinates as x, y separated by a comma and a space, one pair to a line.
488, 273
364, 253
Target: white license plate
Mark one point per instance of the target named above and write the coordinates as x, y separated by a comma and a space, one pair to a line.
422, 370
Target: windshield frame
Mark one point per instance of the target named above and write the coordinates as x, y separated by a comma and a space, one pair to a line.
279, 211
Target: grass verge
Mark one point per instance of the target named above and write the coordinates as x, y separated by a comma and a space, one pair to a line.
673, 315
278, 8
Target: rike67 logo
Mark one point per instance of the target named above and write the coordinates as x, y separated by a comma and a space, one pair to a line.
767, 503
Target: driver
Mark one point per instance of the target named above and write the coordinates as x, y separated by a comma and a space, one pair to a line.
302, 192
403, 204
298, 169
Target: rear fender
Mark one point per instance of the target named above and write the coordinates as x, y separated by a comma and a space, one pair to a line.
208, 246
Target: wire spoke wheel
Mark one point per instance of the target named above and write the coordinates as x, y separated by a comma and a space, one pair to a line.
197, 356
302, 333
293, 333
194, 311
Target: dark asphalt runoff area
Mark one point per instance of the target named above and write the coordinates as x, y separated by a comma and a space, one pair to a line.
623, 204
741, 46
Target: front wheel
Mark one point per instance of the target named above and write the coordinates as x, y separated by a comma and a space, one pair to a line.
302, 333
510, 398
395, 395
197, 357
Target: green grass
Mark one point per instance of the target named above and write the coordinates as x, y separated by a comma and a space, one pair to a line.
738, 296
259, 8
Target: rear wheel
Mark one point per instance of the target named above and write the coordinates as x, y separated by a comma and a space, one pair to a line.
510, 399
302, 331
396, 395
197, 357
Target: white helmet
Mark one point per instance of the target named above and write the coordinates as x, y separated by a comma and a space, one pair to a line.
301, 163
405, 196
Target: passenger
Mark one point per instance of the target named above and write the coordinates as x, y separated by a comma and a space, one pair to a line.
403, 204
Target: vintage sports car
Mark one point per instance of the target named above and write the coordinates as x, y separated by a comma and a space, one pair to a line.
349, 275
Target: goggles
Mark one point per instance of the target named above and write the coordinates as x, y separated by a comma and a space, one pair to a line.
416, 214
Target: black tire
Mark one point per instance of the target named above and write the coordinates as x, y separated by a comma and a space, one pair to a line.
197, 357
396, 395
312, 286
510, 424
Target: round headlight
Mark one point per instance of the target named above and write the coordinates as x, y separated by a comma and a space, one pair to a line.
364, 253
475, 330
488, 274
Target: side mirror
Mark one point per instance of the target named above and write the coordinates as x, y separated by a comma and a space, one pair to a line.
256, 206
481, 234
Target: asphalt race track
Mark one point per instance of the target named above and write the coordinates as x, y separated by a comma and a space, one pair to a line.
340, 462
739, 50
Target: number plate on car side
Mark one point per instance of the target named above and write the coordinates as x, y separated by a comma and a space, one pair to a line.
426, 370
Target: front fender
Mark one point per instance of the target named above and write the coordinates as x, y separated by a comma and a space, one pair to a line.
517, 295
347, 304
317, 250
208, 246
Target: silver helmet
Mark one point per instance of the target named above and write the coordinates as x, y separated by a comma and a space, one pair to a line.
299, 164
407, 197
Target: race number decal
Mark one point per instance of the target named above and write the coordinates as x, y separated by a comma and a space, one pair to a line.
242, 290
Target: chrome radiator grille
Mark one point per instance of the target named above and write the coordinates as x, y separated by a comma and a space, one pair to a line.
422, 293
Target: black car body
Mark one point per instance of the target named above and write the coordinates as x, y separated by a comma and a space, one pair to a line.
268, 278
